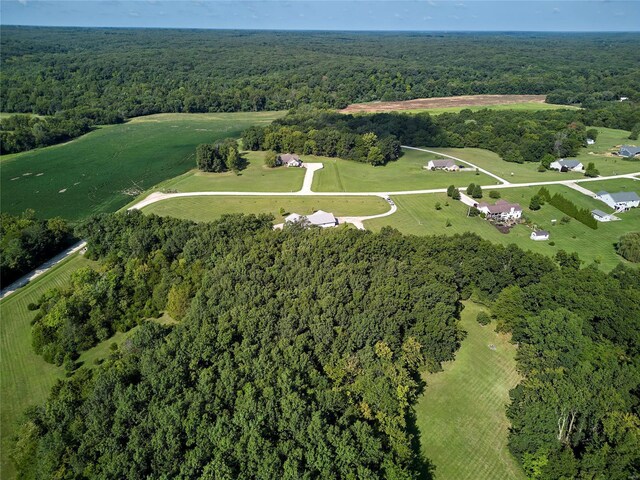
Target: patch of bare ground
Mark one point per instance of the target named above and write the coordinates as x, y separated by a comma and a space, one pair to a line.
443, 102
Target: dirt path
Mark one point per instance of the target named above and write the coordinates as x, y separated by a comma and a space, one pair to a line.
443, 102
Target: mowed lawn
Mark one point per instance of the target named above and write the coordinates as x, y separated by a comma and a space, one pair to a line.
417, 215
602, 152
99, 171
26, 378
614, 185
254, 178
461, 415
206, 209
406, 173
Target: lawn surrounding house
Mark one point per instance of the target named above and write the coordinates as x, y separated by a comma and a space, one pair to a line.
615, 185
206, 209
461, 415
417, 215
254, 178
406, 173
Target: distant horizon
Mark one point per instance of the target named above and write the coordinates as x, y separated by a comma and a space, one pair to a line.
316, 30
526, 16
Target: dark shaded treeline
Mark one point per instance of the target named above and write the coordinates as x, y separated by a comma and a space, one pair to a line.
297, 352
26, 242
516, 136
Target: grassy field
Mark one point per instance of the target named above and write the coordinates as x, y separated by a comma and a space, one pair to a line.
406, 173
600, 153
461, 416
615, 185
254, 178
93, 173
417, 215
26, 378
206, 209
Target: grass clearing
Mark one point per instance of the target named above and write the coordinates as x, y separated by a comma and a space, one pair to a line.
93, 173
461, 416
254, 178
614, 185
406, 173
26, 378
417, 215
207, 209
601, 152
520, 107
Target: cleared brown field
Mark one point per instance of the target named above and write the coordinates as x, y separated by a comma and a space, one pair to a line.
443, 102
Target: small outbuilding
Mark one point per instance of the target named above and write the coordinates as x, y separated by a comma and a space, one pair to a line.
590, 141
601, 216
447, 164
564, 165
539, 235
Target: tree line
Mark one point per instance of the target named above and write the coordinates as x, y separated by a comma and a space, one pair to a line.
562, 203
26, 242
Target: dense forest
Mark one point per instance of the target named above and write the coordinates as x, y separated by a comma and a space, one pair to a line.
26, 242
516, 136
132, 72
296, 353
83, 77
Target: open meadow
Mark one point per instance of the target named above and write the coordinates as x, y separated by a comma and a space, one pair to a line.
102, 170
406, 173
461, 415
417, 215
26, 378
255, 177
206, 209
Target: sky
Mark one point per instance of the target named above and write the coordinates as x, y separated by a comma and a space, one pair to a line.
413, 15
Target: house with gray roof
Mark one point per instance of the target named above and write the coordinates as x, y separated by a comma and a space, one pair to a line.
601, 216
629, 151
447, 164
566, 165
290, 160
620, 201
319, 219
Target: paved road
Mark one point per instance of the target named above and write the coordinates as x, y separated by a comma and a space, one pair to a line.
502, 180
5, 292
359, 221
306, 191
580, 189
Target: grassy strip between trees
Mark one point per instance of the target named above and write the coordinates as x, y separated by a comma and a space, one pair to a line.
461, 415
26, 377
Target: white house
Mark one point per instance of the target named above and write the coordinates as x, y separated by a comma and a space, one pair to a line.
564, 165
601, 216
629, 151
502, 210
320, 219
448, 165
621, 201
622, 99
539, 235
290, 160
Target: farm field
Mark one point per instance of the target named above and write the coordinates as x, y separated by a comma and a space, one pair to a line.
518, 107
406, 173
461, 415
417, 215
254, 178
206, 209
455, 104
92, 173
26, 377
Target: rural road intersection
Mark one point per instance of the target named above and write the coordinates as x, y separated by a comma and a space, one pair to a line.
311, 168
